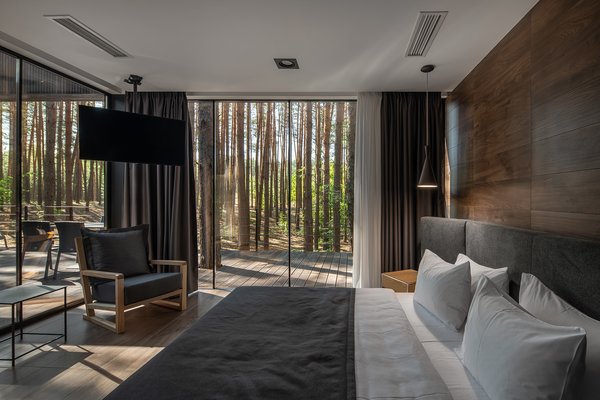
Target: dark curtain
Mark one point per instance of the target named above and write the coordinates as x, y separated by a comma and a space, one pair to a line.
164, 196
402, 154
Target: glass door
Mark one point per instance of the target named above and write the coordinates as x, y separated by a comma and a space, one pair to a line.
323, 192
282, 177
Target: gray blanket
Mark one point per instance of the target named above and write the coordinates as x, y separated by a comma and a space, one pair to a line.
258, 343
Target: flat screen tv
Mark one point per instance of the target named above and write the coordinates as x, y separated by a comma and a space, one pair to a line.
108, 135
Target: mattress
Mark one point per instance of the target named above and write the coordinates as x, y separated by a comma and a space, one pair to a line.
441, 344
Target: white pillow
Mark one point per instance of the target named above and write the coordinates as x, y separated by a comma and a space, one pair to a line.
544, 304
513, 355
497, 275
444, 289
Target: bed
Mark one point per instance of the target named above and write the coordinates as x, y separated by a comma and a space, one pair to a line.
299, 343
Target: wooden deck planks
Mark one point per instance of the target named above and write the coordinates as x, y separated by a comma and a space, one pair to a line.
269, 268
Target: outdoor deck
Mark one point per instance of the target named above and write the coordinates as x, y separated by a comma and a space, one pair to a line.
269, 268
240, 268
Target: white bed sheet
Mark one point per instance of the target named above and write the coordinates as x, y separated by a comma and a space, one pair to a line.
441, 343
390, 363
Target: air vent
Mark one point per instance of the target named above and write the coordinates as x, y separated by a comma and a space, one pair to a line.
427, 26
78, 28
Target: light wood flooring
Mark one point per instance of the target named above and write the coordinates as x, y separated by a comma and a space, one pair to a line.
95, 361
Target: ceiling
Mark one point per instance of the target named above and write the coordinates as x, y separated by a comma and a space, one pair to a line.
226, 47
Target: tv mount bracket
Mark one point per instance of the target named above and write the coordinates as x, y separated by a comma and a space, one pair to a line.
136, 81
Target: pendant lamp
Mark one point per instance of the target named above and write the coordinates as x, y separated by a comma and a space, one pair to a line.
427, 179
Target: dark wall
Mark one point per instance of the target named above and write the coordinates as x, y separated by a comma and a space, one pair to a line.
523, 128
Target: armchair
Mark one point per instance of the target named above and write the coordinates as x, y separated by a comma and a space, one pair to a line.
111, 285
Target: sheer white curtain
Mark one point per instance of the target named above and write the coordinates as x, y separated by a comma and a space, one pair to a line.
366, 270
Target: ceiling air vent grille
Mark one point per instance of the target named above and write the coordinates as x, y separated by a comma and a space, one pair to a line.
427, 26
78, 28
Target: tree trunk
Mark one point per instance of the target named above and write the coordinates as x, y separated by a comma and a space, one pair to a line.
337, 173
231, 180
209, 249
29, 161
38, 156
248, 152
60, 154
326, 173
77, 187
265, 174
49, 160
69, 154
12, 134
275, 168
307, 203
259, 167
243, 206
317, 226
299, 145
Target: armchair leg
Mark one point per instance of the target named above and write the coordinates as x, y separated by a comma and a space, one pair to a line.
183, 300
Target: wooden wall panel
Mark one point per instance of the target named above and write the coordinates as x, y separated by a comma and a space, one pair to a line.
524, 126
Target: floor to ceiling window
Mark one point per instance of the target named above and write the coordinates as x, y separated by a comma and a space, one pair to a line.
8, 164
55, 186
281, 173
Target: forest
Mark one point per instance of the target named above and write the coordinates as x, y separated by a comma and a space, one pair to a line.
278, 165
56, 184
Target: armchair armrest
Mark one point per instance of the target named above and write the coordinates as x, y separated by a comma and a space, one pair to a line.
102, 274
174, 263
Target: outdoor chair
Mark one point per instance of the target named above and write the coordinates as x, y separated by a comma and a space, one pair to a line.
67, 232
37, 236
116, 275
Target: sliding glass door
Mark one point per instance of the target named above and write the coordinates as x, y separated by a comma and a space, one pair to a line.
41, 175
322, 187
8, 166
282, 179
251, 214
56, 186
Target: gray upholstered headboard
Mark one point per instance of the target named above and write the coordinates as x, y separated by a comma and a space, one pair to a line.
568, 266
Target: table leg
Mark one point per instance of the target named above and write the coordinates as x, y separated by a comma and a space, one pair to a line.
20, 315
65, 312
12, 320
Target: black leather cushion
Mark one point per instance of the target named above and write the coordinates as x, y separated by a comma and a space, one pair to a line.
138, 288
123, 251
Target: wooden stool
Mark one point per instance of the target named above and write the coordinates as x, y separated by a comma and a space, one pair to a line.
400, 281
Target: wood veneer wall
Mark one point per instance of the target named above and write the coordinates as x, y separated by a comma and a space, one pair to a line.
523, 128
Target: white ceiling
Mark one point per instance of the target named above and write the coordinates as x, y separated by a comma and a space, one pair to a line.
227, 46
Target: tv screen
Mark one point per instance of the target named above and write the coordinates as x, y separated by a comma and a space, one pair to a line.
108, 135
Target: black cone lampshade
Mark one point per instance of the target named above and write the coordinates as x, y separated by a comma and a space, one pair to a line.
427, 178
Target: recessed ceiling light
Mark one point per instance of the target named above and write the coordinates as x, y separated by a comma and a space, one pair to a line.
286, 63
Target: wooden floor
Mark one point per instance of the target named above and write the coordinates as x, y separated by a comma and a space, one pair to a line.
33, 273
270, 268
94, 360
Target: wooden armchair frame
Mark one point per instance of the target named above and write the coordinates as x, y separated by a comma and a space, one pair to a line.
119, 306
